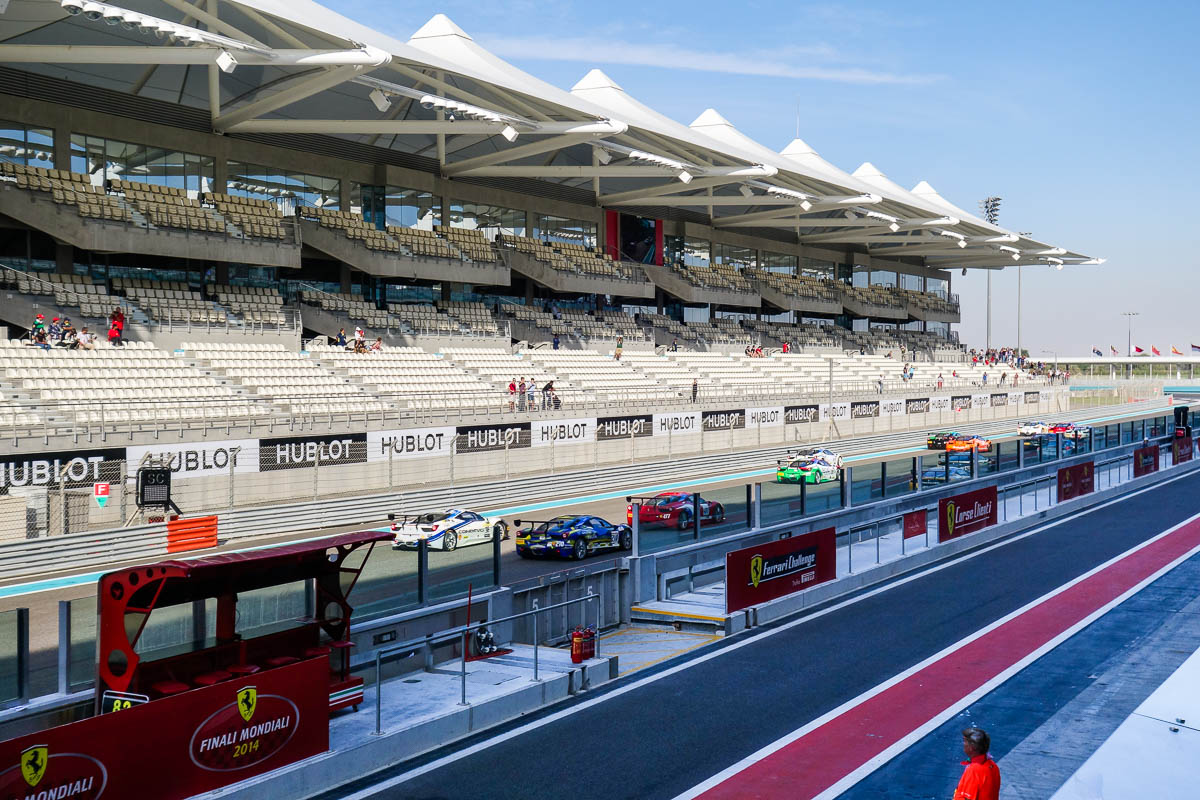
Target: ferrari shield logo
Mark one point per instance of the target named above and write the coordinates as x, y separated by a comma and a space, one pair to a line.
247, 702
756, 566
33, 764
951, 513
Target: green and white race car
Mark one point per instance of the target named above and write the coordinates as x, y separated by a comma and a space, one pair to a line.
809, 466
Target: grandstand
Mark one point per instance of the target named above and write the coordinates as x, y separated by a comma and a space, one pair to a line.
491, 227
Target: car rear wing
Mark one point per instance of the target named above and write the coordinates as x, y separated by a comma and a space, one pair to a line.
409, 519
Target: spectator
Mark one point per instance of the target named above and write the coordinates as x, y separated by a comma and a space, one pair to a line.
87, 341
1015, 374
758, 352
556, 341
512, 395
358, 337
360, 346
620, 346
786, 347
521, 395
55, 333
862, 349
117, 317
39, 323
531, 389
674, 345
378, 346
39, 338
985, 378
879, 383
114, 335
695, 389
1003, 378
341, 337
748, 353
547, 394
981, 778
939, 381
70, 339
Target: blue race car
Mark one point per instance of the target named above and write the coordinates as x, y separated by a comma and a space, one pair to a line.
571, 536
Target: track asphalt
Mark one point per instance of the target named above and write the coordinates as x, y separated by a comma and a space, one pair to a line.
669, 736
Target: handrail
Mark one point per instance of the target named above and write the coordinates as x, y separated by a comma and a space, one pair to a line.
450, 634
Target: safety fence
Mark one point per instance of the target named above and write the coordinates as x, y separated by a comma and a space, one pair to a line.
59, 493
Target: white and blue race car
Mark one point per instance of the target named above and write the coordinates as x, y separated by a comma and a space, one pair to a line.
456, 527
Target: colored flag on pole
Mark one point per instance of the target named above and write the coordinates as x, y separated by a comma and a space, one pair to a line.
1154, 350
1137, 349
1096, 350
1175, 351
1114, 350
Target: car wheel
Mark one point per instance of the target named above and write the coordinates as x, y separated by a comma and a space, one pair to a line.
685, 521
449, 541
626, 540
719, 514
500, 531
579, 552
524, 554
816, 477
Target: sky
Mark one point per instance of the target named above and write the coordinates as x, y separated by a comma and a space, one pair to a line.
1083, 117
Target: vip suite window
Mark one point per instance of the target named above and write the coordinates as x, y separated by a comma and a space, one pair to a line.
21, 144
106, 159
287, 190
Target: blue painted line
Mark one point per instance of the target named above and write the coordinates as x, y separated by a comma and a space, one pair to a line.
91, 577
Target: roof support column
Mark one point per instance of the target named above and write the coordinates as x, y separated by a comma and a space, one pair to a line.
214, 72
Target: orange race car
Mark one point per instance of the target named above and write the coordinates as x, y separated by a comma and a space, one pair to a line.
965, 444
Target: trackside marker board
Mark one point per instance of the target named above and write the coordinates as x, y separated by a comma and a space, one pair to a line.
100, 492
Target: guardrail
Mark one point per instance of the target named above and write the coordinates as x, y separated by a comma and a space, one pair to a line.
427, 642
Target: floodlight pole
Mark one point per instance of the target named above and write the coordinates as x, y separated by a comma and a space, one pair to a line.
990, 206
1129, 315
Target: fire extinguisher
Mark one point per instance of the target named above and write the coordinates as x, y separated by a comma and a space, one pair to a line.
577, 644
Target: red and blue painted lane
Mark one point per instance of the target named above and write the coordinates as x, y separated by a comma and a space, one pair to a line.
716, 722
1049, 718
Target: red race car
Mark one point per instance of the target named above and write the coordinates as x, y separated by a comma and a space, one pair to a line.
675, 509
1061, 427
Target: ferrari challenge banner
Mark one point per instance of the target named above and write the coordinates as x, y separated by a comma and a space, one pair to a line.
178, 746
1145, 460
610, 428
1076, 481
864, 408
967, 513
916, 523
757, 574
412, 443
562, 431
481, 438
197, 459
1181, 450
723, 420
300, 452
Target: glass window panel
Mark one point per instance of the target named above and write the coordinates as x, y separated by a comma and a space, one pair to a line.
562, 229
1007, 455
900, 477
488, 218
10, 688
882, 278
781, 502
825, 496
735, 256
779, 262
866, 483
732, 516
453, 573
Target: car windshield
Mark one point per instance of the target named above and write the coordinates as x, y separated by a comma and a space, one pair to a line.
557, 522
669, 499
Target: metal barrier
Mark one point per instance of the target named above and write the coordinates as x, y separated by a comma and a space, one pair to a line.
426, 644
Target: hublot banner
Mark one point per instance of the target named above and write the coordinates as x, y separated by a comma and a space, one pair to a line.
916, 405
197, 459
960, 401
1015, 398
864, 408
1000, 399
303, 452
795, 415
411, 443
562, 431
609, 428
894, 407
677, 424
482, 438
980, 400
764, 417
723, 420
79, 467
1033, 397
941, 403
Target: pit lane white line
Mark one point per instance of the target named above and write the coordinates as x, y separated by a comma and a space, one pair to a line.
478, 747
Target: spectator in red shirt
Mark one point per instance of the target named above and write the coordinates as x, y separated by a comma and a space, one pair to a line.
981, 778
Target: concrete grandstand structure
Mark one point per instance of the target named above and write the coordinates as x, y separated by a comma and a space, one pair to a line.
247, 180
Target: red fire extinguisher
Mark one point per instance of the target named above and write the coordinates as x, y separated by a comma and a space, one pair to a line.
583, 644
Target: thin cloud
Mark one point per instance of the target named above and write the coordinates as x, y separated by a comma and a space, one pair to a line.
771, 63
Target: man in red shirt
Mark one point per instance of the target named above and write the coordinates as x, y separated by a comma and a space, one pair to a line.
981, 778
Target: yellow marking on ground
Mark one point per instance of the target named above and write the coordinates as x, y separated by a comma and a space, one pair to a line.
676, 614
633, 644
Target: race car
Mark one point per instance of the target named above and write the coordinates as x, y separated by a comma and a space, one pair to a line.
937, 441
445, 531
801, 469
571, 536
819, 454
965, 444
1032, 428
676, 509
1077, 432
1061, 427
